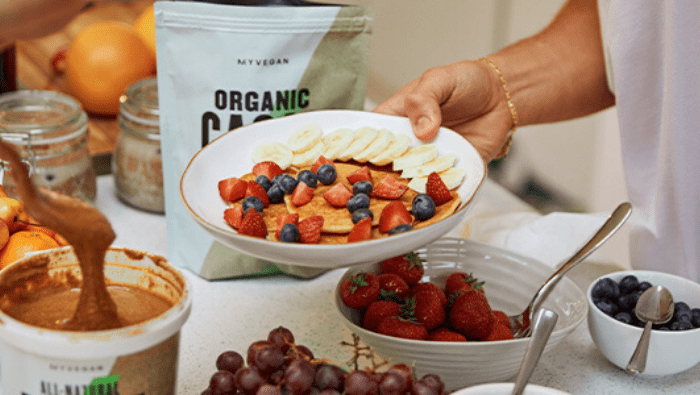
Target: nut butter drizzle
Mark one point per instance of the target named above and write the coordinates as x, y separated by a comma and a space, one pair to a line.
87, 231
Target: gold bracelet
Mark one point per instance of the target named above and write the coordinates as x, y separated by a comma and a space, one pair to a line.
513, 113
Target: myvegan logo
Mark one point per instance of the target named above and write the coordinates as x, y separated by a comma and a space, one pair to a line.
103, 386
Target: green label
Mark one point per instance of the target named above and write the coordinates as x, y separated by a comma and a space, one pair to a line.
103, 386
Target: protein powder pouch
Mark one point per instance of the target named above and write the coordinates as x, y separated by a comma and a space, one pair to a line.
221, 66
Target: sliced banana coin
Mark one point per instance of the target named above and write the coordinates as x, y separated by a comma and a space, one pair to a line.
305, 138
363, 137
337, 141
442, 162
415, 156
308, 157
383, 139
453, 177
398, 146
273, 151
418, 184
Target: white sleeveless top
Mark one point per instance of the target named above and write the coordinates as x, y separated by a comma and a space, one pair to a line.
652, 50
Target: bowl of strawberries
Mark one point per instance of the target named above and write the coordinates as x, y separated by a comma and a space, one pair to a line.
444, 309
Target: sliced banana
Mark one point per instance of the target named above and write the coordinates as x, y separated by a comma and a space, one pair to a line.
305, 138
418, 184
383, 139
398, 146
442, 162
416, 156
363, 137
337, 141
273, 151
452, 178
308, 157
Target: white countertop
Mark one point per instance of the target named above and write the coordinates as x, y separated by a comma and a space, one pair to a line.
231, 314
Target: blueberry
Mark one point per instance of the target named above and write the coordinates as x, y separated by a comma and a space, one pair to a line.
290, 233
423, 207
607, 307
682, 315
264, 182
252, 202
326, 174
625, 317
605, 288
286, 182
681, 326
681, 306
643, 286
358, 214
695, 317
628, 301
362, 187
275, 193
308, 177
400, 229
628, 284
357, 202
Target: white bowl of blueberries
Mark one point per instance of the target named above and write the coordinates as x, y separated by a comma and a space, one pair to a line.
674, 346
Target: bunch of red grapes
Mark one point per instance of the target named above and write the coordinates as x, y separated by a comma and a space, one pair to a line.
278, 366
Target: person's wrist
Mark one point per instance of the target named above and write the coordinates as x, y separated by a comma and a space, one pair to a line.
509, 102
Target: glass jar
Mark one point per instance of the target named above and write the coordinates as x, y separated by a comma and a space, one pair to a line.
49, 130
137, 164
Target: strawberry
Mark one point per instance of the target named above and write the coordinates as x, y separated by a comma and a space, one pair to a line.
427, 310
392, 286
234, 216
360, 290
310, 229
461, 281
362, 230
232, 189
443, 334
401, 327
499, 332
393, 214
254, 189
361, 174
302, 194
322, 160
267, 168
471, 315
389, 188
409, 266
501, 318
338, 195
281, 220
376, 311
430, 288
437, 190
253, 225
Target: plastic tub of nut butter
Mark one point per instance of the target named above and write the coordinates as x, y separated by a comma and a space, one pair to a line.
38, 355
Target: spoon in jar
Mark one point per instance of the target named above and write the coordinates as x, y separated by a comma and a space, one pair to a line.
542, 327
654, 306
521, 323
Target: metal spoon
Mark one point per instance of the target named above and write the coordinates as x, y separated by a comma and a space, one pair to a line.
655, 306
544, 323
521, 323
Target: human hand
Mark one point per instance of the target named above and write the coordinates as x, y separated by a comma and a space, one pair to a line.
466, 97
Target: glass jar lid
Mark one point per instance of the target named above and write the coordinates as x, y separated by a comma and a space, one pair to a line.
140, 103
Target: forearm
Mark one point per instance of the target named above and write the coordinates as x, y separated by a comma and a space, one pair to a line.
559, 73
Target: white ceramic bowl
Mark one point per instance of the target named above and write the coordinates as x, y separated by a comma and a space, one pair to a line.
507, 389
511, 281
230, 155
670, 352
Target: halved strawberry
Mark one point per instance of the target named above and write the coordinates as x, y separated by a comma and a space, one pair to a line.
254, 189
437, 190
361, 231
253, 225
393, 214
361, 174
267, 168
280, 221
310, 229
302, 194
338, 195
389, 188
232, 189
234, 216
322, 160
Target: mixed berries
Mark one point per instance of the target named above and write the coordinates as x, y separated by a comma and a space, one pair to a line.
397, 302
618, 299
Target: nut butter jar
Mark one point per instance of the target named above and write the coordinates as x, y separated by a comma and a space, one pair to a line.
49, 130
137, 163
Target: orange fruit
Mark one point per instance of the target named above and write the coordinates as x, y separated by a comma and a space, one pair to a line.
23, 242
146, 28
102, 60
4, 233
